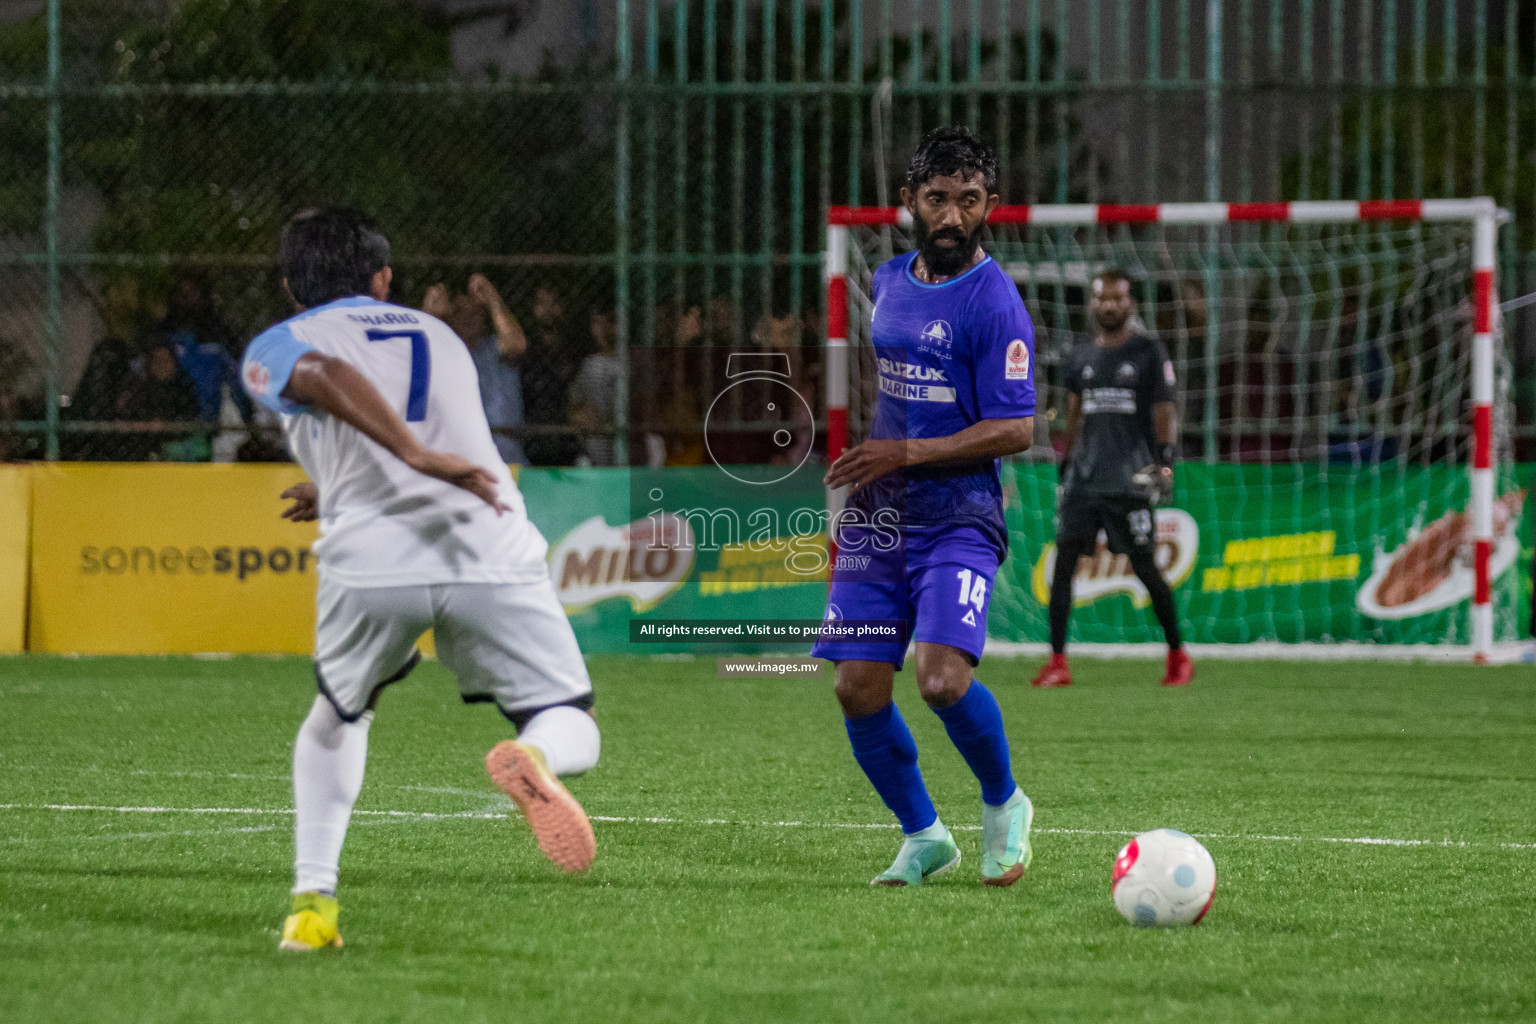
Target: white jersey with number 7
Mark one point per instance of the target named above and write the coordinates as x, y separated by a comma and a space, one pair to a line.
382, 524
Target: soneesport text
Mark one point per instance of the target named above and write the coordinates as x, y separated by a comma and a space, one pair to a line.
242, 562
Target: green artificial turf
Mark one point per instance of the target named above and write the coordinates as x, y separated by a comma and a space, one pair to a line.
746, 904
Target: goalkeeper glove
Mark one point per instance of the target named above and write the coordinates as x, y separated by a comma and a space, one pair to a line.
1155, 482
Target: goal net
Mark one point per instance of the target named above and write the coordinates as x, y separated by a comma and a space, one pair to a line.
1344, 432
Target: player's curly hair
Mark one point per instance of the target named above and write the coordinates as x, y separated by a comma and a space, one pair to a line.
952, 150
331, 253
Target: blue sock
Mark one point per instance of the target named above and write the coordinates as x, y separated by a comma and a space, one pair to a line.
884, 748
975, 725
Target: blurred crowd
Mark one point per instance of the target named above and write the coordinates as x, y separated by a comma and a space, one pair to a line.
551, 381
161, 381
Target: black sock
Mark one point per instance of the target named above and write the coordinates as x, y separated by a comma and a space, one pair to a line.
1145, 568
1061, 593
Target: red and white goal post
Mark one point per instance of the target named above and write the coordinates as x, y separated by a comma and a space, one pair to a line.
1481, 215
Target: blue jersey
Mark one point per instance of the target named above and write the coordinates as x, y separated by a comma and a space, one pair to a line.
949, 356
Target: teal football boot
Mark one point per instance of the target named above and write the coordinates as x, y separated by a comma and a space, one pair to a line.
1006, 852
923, 857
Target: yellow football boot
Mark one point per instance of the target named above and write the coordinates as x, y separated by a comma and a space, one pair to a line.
312, 925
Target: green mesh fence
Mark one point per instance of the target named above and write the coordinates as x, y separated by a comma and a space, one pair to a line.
665, 181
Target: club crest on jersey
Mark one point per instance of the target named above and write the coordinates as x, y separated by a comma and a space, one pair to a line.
1017, 365
257, 378
1088, 373
1127, 372
938, 336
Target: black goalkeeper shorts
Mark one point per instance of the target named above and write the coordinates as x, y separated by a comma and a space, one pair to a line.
1126, 521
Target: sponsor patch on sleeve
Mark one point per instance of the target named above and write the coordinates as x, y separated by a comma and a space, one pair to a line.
1168, 371
1016, 366
257, 377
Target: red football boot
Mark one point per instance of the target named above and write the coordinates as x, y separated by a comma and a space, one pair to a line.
1180, 669
1055, 673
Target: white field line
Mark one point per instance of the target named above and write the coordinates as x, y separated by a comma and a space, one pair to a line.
632, 820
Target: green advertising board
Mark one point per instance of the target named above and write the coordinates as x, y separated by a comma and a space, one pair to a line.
734, 563
1291, 553
1294, 553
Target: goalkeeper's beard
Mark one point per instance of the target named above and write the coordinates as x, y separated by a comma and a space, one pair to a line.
942, 262
1109, 323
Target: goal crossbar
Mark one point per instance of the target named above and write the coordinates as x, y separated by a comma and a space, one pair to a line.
1481, 213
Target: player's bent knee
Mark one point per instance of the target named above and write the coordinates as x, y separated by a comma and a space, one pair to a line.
941, 689
522, 716
943, 673
862, 688
858, 701
566, 734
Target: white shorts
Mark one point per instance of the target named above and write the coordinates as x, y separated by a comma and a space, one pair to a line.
506, 642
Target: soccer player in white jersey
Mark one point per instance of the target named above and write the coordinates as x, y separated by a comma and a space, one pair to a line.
421, 527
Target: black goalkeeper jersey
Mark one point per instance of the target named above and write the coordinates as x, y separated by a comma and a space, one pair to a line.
1118, 388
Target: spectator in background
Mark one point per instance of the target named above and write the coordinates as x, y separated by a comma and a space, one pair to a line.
164, 397
555, 353
206, 349
720, 326
595, 391
666, 382
106, 393
105, 390
778, 334
106, 386
1361, 428
497, 344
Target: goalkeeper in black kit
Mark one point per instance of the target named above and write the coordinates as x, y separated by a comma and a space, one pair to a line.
1116, 466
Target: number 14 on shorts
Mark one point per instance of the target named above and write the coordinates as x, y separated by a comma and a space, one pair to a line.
973, 594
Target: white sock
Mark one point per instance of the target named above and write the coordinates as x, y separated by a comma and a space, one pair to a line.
933, 833
328, 761
566, 736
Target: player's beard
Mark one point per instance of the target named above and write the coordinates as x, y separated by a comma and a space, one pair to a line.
942, 261
1109, 322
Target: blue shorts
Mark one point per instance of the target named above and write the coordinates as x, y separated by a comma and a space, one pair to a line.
938, 582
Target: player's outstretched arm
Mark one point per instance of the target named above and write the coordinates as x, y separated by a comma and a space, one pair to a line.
986, 439
335, 386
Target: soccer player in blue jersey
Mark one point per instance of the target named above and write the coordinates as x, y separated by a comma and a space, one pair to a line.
922, 534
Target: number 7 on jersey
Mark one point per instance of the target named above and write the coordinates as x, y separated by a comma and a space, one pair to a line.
421, 370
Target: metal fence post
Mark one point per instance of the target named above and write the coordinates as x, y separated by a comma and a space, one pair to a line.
621, 232
1213, 81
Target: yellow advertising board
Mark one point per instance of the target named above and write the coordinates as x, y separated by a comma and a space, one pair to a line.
15, 526
169, 559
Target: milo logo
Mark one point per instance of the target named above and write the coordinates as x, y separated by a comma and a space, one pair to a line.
1104, 573
643, 561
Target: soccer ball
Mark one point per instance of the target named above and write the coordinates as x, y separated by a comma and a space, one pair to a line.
1164, 877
